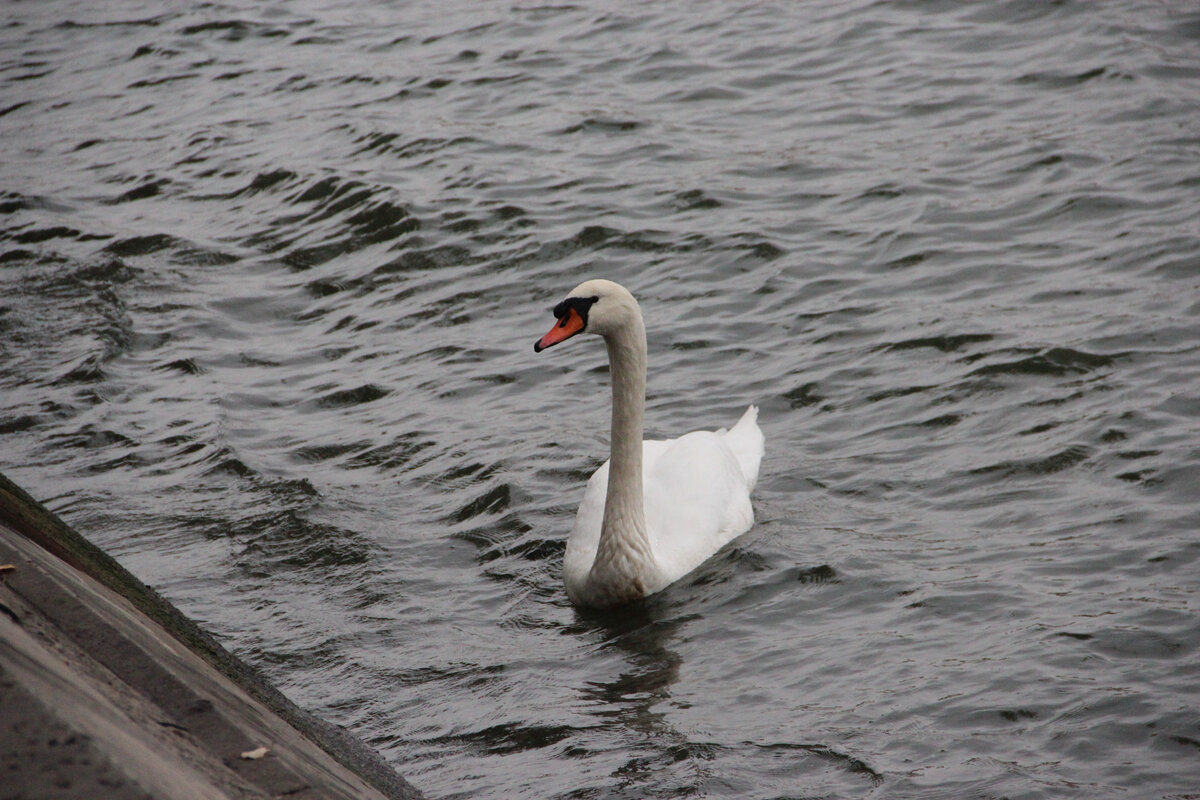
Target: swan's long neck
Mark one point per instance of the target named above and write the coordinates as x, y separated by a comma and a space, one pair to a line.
624, 553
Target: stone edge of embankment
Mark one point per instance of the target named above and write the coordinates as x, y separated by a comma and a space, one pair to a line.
53, 588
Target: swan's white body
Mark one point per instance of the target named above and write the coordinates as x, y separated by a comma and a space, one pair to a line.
655, 510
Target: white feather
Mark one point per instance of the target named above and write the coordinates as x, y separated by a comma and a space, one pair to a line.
692, 495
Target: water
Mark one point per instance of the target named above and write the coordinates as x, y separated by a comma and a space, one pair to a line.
270, 275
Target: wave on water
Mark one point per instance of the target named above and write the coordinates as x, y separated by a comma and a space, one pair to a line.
269, 280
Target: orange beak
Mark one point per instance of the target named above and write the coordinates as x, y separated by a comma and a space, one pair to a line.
566, 327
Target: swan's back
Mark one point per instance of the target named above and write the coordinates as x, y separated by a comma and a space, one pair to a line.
696, 493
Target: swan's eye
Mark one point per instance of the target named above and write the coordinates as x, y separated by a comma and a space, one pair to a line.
579, 305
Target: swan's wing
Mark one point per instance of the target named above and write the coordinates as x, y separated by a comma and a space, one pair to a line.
696, 499
696, 493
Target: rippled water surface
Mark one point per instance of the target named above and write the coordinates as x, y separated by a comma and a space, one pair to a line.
270, 274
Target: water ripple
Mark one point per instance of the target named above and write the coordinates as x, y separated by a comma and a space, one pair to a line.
268, 285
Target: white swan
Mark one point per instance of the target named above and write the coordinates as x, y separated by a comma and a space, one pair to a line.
655, 510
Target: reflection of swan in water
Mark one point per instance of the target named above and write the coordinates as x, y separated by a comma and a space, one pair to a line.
665, 750
643, 641
655, 510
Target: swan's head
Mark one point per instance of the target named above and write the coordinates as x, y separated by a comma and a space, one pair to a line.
597, 306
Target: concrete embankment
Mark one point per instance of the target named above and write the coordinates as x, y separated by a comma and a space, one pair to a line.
107, 690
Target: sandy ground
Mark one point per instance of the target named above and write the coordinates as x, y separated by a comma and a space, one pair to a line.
107, 691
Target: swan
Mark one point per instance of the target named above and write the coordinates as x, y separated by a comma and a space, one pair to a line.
655, 510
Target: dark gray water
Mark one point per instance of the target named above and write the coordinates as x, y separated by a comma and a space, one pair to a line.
270, 275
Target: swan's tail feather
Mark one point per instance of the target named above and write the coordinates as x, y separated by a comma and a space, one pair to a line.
746, 441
